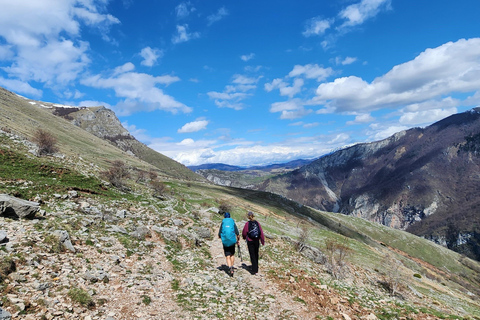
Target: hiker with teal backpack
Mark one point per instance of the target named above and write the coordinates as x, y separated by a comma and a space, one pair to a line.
230, 237
253, 233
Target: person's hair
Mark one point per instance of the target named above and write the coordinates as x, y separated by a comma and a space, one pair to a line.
250, 215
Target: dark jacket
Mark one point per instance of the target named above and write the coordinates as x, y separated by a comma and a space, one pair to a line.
245, 233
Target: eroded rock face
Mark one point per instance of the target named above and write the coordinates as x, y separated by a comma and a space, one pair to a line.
18, 208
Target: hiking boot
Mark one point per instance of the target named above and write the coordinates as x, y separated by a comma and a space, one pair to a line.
231, 271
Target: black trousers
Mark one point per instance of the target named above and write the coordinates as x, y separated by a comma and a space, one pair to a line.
253, 247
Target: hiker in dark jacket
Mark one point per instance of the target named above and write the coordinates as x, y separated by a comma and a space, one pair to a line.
230, 236
253, 233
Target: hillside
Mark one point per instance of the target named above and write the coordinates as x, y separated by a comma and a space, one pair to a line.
425, 181
109, 138
138, 251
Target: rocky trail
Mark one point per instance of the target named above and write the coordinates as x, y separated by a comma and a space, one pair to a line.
86, 260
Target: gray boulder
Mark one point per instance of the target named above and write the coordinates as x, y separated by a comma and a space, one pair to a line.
141, 233
5, 315
203, 233
3, 236
167, 233
64, 239
11, 206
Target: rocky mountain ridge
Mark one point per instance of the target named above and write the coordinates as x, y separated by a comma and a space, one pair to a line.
424, 181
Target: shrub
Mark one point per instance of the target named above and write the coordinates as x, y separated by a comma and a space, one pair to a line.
7, 266
158, 187
117, 174
337, 253
46, 142
303, 238
223, 207
82, 297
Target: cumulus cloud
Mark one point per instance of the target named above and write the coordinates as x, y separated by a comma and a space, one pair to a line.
43, 44
247, 57
346, 61
184, 9
349, 17
285, 89
361, 118
20, 87
449, 68
194, 126
357, 13
150, 56
233, 95
183, 35
311, 71
139, 90
219, 15
317, 26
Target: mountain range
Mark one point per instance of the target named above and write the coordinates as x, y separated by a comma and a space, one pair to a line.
423, 180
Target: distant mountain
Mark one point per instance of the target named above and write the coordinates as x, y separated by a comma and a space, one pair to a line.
215, 166
247, 178
425, 181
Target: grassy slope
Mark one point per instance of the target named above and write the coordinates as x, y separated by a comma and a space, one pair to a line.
21, 117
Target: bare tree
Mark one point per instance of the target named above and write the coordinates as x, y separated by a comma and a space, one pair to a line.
117, 174
392, 277
303, 238
337, 253
46, 142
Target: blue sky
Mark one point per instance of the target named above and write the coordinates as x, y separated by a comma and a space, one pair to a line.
248, 82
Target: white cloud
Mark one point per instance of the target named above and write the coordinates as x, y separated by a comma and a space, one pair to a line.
285, 89
426, 116
361, 118
233, 95
346, 61
42, 37
183, 35
20, 87
357, 13
183, 10
311, 71
247, 57
291, 109
219, 15
317, 26
150, 56
139, 90
452, 67
194, 126
380, 131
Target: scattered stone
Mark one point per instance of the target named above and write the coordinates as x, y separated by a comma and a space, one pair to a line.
72, 194
141, 233
64, 240
167, 233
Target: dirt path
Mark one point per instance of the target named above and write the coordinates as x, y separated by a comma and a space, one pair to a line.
281, 305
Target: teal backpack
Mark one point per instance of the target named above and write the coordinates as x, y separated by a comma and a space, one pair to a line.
229, 238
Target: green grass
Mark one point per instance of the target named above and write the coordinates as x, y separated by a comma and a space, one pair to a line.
42, 176
81, 296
